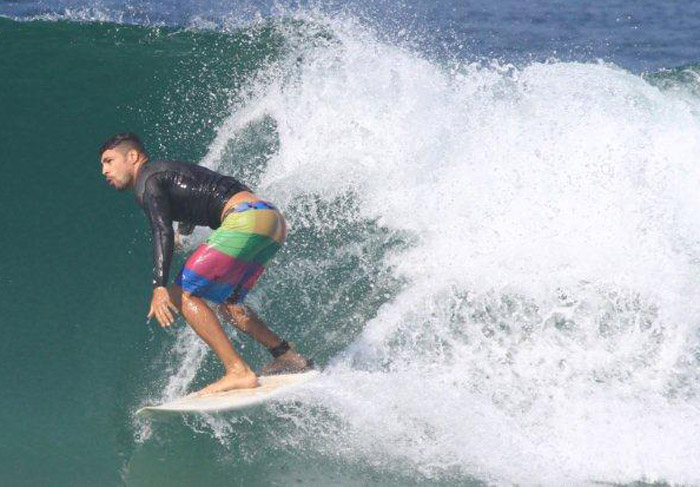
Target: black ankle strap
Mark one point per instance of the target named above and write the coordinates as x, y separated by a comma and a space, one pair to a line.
279, 349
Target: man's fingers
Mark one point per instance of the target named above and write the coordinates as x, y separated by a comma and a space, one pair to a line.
164, 310
161, 318
170, 318
168, 315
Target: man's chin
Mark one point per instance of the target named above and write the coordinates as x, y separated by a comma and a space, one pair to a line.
119, 187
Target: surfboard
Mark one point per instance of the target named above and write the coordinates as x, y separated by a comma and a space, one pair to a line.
270, 387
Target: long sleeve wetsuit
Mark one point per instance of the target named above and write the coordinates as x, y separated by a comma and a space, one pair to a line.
171, 191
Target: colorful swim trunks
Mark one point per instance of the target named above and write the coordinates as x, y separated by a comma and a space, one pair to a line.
228, 265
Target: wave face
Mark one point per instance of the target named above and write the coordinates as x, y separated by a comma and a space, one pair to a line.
497, 264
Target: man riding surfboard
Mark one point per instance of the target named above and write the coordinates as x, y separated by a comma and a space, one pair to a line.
248, 231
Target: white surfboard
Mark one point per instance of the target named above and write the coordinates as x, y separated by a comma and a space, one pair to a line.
270, 387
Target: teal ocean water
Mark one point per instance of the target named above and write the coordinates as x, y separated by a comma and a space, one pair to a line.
495, 262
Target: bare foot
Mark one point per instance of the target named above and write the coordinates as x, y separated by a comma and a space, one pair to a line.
290, 362
230, 381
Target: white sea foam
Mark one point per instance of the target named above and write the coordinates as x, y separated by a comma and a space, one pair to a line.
82, 14
547, 330
222, 18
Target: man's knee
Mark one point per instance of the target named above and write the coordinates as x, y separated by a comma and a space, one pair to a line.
184, 300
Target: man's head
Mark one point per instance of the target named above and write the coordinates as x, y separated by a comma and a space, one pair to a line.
122, 156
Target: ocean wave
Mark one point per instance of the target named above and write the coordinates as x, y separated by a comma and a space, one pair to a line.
536, 322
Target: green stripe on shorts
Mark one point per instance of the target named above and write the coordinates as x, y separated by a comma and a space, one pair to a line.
248, 247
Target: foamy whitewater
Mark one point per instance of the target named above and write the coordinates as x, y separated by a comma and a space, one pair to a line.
543, 323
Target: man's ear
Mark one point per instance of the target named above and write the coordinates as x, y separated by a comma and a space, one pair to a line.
132, 155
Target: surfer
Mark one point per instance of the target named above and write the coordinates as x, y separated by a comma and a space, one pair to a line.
247, 233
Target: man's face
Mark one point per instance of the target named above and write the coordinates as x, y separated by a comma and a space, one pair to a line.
118, 167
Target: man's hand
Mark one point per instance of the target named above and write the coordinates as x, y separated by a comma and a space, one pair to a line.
162, 307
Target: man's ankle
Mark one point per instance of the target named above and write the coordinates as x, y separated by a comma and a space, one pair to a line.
280, 349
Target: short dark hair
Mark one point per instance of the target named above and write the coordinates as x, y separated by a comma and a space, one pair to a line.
124, 138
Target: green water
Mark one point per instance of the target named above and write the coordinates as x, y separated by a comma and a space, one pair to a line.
75, 283
77, 356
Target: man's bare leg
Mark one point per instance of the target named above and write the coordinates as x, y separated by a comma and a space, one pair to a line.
205, 323
246, 320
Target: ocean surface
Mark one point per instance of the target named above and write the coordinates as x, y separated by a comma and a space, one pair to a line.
494, 250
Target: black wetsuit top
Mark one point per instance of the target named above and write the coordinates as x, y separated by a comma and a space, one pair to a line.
171, 191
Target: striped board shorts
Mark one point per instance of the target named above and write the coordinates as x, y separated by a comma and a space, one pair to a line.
228, 265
